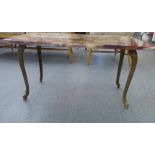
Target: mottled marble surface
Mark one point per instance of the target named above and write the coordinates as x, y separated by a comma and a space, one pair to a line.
91, 40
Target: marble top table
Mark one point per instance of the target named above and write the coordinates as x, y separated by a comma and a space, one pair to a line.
90, 41
75, 40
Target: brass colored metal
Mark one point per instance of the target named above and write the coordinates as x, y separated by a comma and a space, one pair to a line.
134, 59
129, 60
89, 56
122, 53
40, 62
70, 54
22, 66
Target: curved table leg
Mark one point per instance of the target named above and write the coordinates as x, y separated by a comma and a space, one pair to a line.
122, 53
40, 62
22, 66
134, 58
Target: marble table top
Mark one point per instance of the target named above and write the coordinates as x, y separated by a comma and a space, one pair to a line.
76, 40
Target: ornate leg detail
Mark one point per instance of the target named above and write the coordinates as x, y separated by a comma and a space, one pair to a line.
134, 59
40, 62
22, 66
70, 54
89, 56
122, 52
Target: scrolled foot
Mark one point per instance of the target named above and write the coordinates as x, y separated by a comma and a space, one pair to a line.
126, 105
24, 97
118, 85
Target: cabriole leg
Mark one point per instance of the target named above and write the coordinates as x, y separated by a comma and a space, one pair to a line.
134, 59
22, 66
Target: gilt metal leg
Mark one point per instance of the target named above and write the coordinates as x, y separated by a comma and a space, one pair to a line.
129, 60
122, 52
134, 59
40, 62
70, 54
22, 66
89, 56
